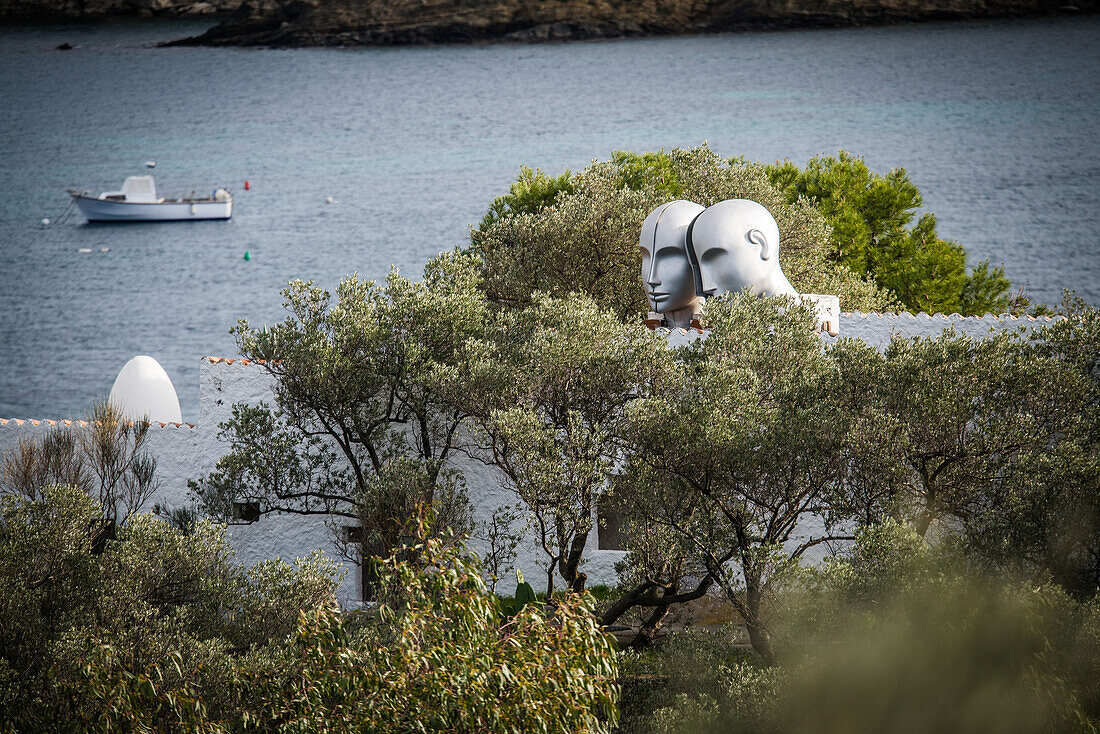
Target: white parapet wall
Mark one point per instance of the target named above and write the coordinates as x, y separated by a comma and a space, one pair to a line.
184, 451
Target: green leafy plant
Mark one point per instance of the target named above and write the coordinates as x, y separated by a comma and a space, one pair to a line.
437, 655
87, 628
363, 423
579, 233
870, 214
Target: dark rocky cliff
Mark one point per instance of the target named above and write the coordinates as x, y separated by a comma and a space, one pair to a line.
62, 10
378, 22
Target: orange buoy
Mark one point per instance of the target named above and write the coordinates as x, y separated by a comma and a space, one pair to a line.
247, 185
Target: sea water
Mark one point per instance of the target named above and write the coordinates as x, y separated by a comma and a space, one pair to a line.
996, 122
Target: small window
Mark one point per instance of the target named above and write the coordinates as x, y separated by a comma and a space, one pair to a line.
246, 512
609, 534
104, 530
352, 533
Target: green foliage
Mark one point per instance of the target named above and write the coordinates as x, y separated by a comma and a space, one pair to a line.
364, 421
532, 191
106, 459
639, 170
698, 680
160, 630
968, 434
438, 656
1048, 521
140, 702
87, 630
899, 624
869, 215
580, 234
895, 636
729, 455
549, 387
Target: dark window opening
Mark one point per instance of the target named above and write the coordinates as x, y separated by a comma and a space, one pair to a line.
103, 531
610, 534
246, 512
353, 534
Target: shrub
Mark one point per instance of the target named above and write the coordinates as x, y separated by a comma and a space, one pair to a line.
84, 630
437, 655
895, 636
869, 215
579, 232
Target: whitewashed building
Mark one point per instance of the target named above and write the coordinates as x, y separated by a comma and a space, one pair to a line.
187, 451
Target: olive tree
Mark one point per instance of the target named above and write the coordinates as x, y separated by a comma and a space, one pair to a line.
943, 424
729, 460
1046, 521
578, 233
363, 423
556, 379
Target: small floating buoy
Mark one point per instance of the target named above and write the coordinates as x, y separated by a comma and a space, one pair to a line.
330, 200
84, 250
105, 249
247, 185
45, 221
247, 255
150, 164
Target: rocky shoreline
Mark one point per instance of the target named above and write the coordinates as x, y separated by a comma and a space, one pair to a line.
290, 23
295, 23
54, 11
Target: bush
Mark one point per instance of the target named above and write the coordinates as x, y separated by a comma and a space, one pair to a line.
160, 631
578, 233
437, 655
86, 629
896, 636
869, 215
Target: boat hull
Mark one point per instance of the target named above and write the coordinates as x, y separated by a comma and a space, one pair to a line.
102, 210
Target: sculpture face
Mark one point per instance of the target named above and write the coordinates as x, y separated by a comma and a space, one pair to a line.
734, 244
666, 271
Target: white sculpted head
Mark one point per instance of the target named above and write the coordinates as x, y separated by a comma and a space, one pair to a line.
666, 270
733, 245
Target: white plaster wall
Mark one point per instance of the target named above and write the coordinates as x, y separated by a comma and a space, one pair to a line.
175, 446
222, 383
186, 452
878, 328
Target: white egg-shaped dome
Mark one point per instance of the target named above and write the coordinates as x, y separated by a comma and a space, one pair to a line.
143, 390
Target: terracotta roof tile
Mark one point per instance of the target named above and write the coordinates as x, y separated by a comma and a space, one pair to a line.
234, 360
82, 423
952, 317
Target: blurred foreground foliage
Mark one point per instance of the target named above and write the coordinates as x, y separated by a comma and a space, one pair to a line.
897, 636
160, 630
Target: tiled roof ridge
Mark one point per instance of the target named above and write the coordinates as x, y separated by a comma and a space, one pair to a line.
82, 423
678, 330
948, 317
233, 360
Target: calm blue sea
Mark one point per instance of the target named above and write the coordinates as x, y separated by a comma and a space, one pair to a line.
996, 122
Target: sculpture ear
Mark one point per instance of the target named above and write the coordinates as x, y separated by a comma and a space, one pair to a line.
757, 237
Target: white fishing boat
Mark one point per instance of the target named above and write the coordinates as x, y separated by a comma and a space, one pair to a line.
138, 202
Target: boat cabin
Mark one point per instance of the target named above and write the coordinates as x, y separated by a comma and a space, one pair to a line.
138, 189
